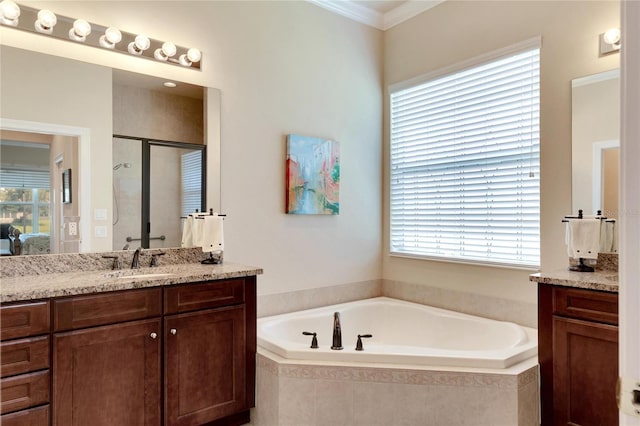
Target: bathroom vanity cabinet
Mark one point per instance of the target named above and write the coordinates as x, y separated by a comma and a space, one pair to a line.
172, 355
578, 354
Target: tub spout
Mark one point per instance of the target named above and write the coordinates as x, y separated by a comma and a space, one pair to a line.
337, 332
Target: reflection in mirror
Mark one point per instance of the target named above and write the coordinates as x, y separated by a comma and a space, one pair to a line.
86, 103
595, 143
153, 191
33, 215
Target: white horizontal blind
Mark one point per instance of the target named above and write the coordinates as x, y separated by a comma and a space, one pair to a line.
191, 182
465, 164
12, 178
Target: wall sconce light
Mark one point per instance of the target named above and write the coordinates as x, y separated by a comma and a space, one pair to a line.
80, 30
9, 13
110, 38
43, 21
610, 41
167, 50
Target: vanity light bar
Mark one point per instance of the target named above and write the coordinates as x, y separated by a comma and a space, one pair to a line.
61, 27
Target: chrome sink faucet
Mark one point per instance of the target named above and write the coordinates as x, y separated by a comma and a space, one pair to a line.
337, 332
135, 263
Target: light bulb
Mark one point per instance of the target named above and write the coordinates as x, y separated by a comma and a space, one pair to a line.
139, 45
80, 30
168, 50
612, 36
46, 21
111, 37
192, 55
10, 13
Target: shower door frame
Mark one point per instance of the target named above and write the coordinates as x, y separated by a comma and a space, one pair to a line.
145, 213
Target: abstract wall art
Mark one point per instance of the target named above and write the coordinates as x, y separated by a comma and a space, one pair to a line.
313, 175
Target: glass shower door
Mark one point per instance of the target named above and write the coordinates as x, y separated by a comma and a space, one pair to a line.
175, 190
127, 193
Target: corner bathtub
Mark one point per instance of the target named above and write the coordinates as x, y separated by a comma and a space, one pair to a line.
403, 333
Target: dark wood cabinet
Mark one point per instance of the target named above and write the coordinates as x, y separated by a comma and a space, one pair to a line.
205, 374
178, 355
108, 375
175, 355
24, 363
578, 353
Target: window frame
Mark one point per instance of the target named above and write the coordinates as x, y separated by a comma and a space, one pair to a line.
527, 45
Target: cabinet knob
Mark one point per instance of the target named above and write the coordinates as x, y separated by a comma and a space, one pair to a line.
173, 331
153, 335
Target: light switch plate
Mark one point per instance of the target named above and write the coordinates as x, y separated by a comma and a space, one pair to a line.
629, 396
100, 214
100, 231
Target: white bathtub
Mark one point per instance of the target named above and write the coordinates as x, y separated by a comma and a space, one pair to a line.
403, 333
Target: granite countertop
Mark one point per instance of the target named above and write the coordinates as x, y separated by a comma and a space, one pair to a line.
603, 280
31, 287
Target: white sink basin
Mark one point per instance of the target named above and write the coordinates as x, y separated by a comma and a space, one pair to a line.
136, 275
144, 276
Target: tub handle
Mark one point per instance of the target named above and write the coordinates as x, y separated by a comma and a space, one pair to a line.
314, 341
359, 343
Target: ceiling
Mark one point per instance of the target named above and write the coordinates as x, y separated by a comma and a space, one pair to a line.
381, 14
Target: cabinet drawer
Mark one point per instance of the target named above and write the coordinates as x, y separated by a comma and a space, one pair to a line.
23, 320
192, 297
24, 391
586, 304
24, 355
101, 309
38, 416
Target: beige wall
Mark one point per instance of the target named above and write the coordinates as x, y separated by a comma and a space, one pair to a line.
457, 30
282, 67
152, 114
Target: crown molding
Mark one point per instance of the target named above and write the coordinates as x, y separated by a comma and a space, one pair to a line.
406, 11
375, 19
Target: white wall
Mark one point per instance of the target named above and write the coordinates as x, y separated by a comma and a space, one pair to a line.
282, 67
457, 30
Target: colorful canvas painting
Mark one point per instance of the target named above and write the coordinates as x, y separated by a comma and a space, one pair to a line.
313, 175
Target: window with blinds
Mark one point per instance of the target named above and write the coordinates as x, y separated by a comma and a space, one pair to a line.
191, 182
465, 163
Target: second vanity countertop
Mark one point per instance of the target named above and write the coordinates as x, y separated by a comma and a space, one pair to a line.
603, 280
32, 287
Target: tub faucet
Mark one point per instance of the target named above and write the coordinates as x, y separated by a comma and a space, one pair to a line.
135, 263
337, 332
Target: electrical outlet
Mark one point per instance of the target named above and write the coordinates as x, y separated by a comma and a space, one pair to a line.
73, 228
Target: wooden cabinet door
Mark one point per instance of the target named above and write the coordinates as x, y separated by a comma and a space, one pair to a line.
108, 375
585, 370
205, 360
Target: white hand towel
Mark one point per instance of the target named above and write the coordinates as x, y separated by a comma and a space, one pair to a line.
198, 224
187, 232
585, 238
212, 233
606, 237
568, 239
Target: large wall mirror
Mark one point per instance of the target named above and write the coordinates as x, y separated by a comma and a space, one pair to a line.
61, 115
596, 143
